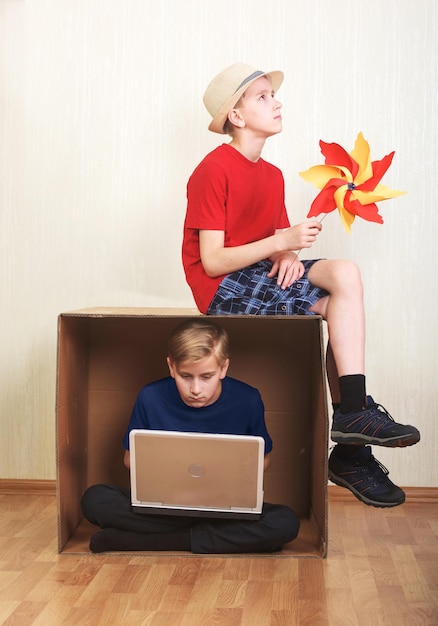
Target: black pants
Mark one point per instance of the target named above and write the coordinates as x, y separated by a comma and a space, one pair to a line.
109, 506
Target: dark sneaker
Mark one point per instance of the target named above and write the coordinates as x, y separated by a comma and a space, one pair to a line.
365, 477
372, 425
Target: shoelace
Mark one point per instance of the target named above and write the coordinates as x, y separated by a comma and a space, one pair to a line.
372, 462
378, 408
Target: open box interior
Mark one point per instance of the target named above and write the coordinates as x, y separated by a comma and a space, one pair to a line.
106, 355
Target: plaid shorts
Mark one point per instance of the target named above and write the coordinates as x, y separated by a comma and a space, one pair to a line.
251, 292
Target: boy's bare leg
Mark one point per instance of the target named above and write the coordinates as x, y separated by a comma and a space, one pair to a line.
343, 310
359, 420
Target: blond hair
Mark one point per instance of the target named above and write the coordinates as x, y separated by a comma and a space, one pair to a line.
196, 339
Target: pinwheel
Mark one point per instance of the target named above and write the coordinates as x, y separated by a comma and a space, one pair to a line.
349, 182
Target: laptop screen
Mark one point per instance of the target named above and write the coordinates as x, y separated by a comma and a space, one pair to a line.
196, 473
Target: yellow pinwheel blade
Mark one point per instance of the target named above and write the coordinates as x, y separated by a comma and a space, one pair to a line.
347, 218
381, 192
319, 175
361, 154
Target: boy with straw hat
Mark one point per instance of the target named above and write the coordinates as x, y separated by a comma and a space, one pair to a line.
240, 257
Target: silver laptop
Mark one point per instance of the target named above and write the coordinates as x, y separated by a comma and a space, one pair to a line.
196, 474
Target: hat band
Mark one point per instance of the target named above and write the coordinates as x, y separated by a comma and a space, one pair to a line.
250, 77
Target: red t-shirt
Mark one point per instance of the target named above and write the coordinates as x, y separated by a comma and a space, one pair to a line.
228, 192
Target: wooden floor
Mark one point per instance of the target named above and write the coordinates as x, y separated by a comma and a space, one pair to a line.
382, 569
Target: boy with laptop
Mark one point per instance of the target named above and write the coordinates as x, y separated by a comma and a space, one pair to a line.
198, 396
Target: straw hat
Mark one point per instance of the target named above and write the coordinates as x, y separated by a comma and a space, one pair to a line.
226, 88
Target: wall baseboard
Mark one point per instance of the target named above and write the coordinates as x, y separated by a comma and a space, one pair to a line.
335, 493
32, 487
427, 495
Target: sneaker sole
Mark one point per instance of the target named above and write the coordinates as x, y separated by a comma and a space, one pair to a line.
358, 439
376, 503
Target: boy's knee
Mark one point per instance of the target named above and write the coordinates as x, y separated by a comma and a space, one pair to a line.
87, 501
289, 524
350, 271
346, 275
90, 499
285, 524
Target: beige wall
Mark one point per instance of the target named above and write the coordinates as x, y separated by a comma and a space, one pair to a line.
101, 123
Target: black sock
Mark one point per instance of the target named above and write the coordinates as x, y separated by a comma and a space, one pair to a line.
336, 406
112, 539
353, 393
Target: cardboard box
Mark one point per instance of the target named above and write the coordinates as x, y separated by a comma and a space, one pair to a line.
106, 355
